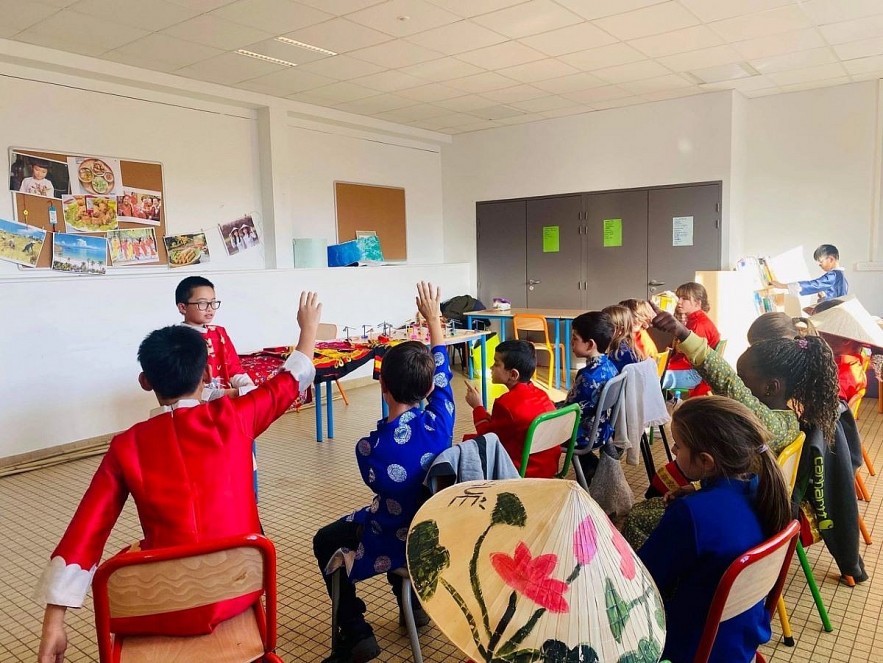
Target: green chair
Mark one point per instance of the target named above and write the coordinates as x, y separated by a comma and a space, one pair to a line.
550, 430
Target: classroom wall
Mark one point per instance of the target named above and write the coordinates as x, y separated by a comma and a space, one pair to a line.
669, 142
68, 362
810, 170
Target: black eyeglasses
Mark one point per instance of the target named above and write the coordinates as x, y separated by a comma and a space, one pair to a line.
204, 306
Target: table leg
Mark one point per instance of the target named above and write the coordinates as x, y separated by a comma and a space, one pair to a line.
468, 353
317, 397
557, 349
502, 329
484, 376
384, 409
329, 403
568, 352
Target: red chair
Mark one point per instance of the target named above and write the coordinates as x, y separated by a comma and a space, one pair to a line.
758, 573
152, 582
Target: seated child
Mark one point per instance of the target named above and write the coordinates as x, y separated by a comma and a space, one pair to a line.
195, 298
719, 442
514, 364
779, 325
623, 350
589, 339
829, 285
693, 307
188, 469
643, 315
393, 460
851, 372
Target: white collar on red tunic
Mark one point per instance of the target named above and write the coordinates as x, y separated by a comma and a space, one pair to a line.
184, 402
202, 329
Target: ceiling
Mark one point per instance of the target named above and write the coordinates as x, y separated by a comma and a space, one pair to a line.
456, 66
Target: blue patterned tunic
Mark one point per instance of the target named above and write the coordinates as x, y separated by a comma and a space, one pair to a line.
393, 461
586, 390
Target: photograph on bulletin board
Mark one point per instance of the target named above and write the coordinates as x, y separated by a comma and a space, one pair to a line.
21, 243
189, 249
91, 175
38, 176
139, 206
79, 254
239, 235
90, 214
132, 246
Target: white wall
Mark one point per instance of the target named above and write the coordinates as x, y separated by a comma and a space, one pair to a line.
320, 159
683, 140
810, 178
68, 345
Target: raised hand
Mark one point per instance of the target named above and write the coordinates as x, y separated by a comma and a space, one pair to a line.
473, 397
666, 322
309, 312
428, 301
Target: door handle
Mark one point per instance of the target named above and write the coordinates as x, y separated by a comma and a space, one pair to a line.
532, 281
655, 283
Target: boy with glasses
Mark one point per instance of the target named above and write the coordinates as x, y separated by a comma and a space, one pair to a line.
195, 297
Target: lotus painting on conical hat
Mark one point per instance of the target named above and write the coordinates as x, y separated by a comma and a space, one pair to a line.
533, 570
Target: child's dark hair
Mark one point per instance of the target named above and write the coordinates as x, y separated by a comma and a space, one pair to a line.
730, 433
187, 286
407, 371
40, 163
826, 251
173, 360
696, 292
779, 325
594, 326
519, 355
810, 374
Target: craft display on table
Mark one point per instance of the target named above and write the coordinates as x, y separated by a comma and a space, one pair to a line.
531, 570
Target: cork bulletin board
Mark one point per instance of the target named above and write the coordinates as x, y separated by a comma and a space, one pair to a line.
34, 210
377, 208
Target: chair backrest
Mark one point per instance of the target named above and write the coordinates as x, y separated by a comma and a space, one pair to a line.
662, 362
611, 399
165, 580
856, 402
326, 331
551, 430
756, 574
530, 322
642, 381
789, 459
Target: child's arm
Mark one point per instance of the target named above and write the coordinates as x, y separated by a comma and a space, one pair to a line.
810, 286
429, 306
240, 380
441, 399
671, 551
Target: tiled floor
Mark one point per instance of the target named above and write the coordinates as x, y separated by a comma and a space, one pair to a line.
304, 485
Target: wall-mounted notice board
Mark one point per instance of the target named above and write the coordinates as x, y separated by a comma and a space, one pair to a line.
377, 208
136, 175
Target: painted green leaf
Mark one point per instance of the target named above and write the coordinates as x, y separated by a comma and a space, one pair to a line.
660, 616
520, 656
426, 558
648, 651
509, 511
555, 650
617, 610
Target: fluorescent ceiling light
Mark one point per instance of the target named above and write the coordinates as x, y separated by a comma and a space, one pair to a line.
300, 44
265, 58
721, 73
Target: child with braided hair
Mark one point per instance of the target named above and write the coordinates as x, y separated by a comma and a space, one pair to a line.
788, 383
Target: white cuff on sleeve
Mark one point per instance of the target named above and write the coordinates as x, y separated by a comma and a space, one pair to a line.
301, 367
210, 394
244, 389
241, 380
63, 584
794, 289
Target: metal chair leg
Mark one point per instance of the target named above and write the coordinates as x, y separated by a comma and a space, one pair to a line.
861, 489
787, 634
871, 470
580, 476
813, 587
866, 535
409, 620
335, 601
665, 442
342, 392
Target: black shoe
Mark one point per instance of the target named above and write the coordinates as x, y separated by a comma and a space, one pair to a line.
421, 619
354, 649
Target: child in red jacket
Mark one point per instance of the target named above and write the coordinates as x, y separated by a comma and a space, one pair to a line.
514, 365
693, 308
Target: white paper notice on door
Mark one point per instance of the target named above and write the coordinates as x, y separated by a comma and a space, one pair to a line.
682, 231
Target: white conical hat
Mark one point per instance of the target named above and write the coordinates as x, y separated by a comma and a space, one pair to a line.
850, 320
532, 569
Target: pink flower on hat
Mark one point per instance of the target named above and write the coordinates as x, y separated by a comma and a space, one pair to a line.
531, 576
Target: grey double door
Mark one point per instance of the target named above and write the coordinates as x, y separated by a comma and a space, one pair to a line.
590, 250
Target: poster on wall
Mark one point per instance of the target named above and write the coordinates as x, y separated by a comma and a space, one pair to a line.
20, 243
37, 176
91, 175
132, 246
184, 250
139, 206
239, 235
90, 214
682, 231
79, 254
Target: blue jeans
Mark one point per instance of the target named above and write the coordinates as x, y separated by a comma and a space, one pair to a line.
681, 379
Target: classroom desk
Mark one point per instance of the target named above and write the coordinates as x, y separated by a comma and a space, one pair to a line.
557, 315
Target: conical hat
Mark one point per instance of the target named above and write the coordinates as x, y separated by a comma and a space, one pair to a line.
532, 569
850, 320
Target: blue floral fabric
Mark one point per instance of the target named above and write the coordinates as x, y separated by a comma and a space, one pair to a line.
393, 461
586, 390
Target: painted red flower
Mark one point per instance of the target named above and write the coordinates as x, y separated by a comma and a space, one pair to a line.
531, 576
585, 543
626, 560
